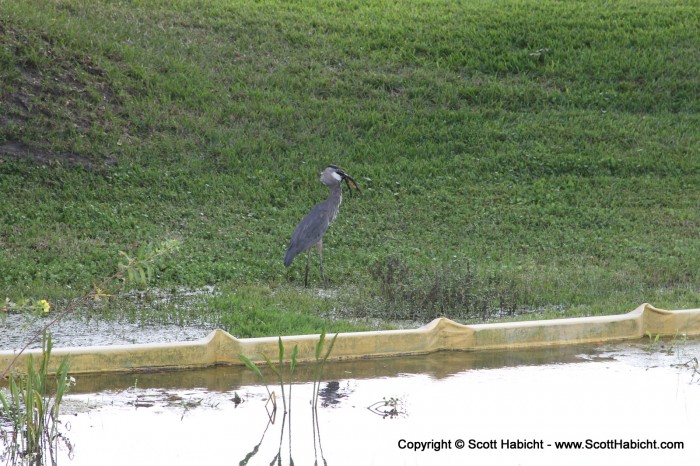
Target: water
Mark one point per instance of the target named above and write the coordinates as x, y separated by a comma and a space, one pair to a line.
153, 316
627, 392
18, 329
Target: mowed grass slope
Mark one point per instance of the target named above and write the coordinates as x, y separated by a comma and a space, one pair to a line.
513, 155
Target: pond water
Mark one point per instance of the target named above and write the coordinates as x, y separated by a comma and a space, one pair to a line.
627, 403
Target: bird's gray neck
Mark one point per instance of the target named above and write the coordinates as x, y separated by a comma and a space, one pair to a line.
335, 198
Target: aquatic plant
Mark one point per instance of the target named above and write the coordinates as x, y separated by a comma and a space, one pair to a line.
318, 375
278, 373
318, 369
320, 363
389, 407
653, 341
29, 424
270, 395
674, 345
693, 366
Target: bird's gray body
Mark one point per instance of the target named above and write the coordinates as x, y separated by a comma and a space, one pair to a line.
310, 231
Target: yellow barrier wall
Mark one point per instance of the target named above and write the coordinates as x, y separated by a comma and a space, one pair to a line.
220, 348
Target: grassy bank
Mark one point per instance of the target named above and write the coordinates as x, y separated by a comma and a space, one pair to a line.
513, 155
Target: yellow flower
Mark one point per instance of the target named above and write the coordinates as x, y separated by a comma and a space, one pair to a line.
45, 305
99, 294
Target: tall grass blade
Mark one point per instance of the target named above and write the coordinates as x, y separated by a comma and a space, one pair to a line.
251, 365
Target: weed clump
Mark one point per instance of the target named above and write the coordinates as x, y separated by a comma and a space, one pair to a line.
454, 289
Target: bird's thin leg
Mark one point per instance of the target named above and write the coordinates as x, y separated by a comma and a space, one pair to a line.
306, 275
320, 258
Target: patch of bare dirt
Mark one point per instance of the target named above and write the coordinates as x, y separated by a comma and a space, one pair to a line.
20, 151
50, 89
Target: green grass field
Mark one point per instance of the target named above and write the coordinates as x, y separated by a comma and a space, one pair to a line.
517, 159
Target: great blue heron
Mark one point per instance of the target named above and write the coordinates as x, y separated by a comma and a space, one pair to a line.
310, 231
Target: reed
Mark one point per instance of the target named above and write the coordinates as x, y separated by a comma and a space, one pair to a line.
29, 419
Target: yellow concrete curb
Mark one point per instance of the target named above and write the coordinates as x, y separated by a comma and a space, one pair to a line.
220, 348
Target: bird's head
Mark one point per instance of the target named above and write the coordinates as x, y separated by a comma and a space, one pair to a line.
334, 174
